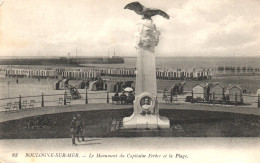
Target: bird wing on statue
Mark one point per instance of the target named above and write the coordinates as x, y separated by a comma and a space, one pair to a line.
136, 6
153, 12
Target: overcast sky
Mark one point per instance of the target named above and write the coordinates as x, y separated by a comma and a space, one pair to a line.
94, 27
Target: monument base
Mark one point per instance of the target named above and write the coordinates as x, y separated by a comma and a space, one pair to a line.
148, 121
146, 114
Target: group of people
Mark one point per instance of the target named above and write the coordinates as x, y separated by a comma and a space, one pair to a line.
76, 128
101, 85
123, 98
85, 84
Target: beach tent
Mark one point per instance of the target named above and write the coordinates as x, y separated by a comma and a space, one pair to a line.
95, 86
199, 91
234, 93
217, 91
258, 92
92, 86
257, 97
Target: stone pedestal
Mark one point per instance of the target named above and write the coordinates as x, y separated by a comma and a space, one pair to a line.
145, 117
146, 110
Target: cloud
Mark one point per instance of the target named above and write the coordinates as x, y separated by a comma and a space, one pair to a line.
196, 27
113, 31
212, 27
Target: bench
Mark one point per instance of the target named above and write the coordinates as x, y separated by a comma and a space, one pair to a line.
31, 105
68, 100
166, 98
24, 104
16, 106
123, 99
60, 102
115, 99
8, 106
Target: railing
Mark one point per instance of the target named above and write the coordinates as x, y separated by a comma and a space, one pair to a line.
212, 99
43, 100
225, 99
87, 97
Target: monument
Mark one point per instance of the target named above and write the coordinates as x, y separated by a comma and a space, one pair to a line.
146, 110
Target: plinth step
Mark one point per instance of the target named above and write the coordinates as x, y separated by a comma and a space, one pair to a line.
117, 129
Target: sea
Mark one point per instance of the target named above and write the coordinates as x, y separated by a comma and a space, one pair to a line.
190, 62
175, 62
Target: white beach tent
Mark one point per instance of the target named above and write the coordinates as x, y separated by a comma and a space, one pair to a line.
258, 92
257, 95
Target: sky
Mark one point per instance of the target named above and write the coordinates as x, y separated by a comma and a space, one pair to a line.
98, 27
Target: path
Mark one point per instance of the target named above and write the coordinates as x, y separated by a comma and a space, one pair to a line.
12, 115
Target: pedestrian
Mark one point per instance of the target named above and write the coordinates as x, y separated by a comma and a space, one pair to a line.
17, 81
101, 85
80, 126
130, 98
104, 85
165, 94
87, 84
123, 98
73, 128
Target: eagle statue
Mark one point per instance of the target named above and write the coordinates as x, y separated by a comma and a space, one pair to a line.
146, 13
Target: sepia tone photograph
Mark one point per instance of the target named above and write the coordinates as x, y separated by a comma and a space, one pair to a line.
130, 81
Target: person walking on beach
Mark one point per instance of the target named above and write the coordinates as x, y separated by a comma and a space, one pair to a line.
80, 125
73, 129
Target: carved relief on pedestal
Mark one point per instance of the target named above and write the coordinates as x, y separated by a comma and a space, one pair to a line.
146, 35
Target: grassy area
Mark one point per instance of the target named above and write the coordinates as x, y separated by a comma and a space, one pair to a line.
97, 124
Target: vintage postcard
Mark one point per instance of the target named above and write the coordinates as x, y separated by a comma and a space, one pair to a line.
130, 81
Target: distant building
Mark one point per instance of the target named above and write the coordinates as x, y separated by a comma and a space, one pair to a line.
234, 93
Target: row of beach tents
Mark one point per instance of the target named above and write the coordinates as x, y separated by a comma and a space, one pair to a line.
217, 92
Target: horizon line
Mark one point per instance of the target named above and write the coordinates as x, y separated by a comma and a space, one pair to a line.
92, 56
